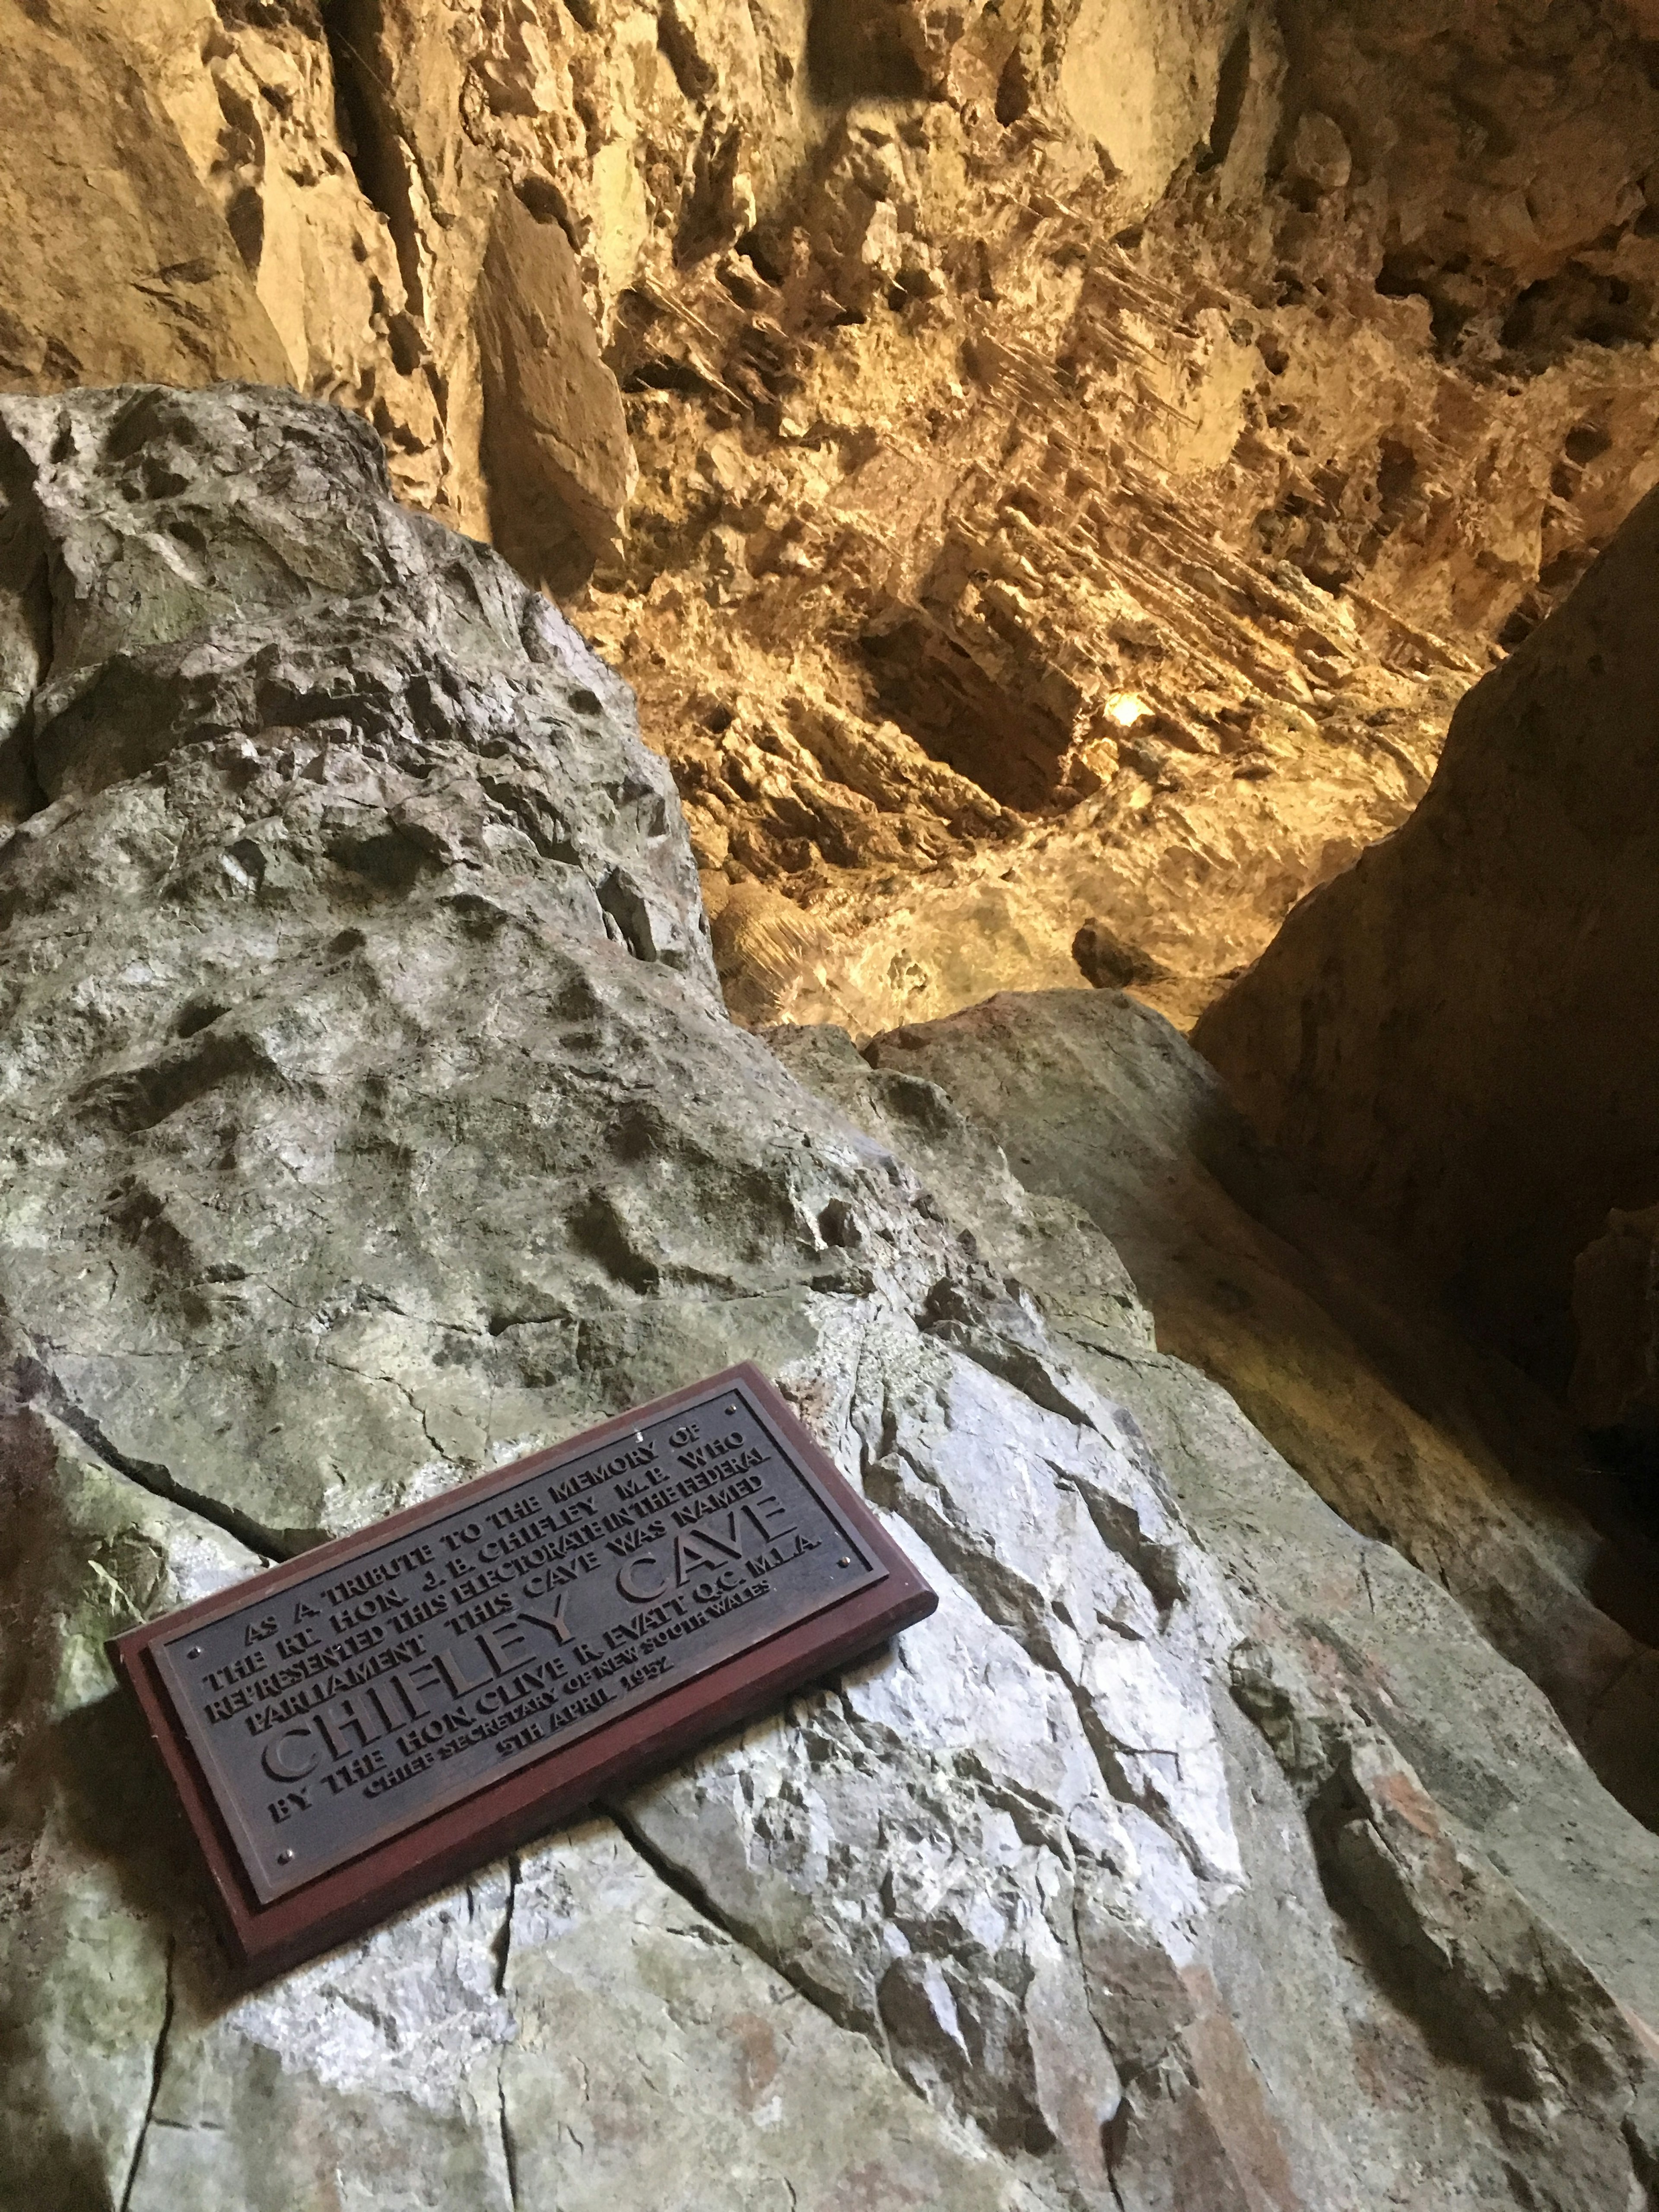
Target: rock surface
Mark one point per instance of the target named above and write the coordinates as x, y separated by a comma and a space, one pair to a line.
1337, 1352
1438, 1766
399, 1126
369, 1115
1457, 1037
1034, 464
120, 265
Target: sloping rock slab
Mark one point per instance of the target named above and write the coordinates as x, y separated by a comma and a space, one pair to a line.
367, 1115
1437, 1794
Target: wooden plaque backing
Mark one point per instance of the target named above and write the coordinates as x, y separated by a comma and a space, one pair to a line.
266, 1933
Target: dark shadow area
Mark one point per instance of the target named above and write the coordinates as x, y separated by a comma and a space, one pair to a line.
1628, 1455
1460, 2030
1408, 275
855, 51
363, 112
1013, 90
26, 651
938, 695
1109, 960
692, 74
120, 1806
1231, 87
1579, 307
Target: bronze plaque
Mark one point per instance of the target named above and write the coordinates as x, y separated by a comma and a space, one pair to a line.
506, 1647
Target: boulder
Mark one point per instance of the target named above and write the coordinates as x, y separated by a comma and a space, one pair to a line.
371, 1116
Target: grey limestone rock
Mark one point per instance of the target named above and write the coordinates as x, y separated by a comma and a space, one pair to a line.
368, 1114
1442, 1965
1331, 1343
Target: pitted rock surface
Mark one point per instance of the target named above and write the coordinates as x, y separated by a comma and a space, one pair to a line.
372, 1116
368, 1114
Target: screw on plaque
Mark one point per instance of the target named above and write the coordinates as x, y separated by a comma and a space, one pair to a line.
282, 1857
194, 1652
843, 1563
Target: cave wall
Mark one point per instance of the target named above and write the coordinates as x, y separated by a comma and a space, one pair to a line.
1036, 463
369, 1116
1457, 1037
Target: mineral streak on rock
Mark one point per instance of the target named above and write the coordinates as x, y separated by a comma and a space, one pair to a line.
911, 385
368, 1114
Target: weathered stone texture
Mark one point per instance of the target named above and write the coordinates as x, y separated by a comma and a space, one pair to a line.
373, 1116
368, 1114
1337, 1350
556, 448
117, 264
1035, 463
1445, 1804
1439, 1798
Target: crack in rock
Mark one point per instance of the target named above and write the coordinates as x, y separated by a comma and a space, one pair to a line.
156, 2066
35, 1381
509, 2147
502, 1943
